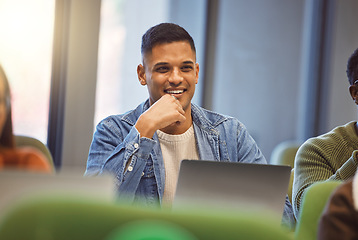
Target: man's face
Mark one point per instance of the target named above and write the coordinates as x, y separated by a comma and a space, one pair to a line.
170, 69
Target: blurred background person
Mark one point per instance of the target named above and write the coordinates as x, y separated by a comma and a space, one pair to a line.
339, 219
12, 157
330, 156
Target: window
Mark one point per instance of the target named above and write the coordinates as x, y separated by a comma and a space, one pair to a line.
123, 22
122, 25
25, 53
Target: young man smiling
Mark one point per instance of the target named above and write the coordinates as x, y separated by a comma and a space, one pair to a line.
143, 147
168, 70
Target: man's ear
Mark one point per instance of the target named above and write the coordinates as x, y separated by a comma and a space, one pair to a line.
196, 72
353, 90
141, 75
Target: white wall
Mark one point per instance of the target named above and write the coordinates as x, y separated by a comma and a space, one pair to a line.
258, 66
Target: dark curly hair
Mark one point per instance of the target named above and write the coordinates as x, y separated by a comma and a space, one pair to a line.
164, 33
352, 67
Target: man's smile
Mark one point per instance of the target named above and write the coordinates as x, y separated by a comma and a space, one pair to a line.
175, 91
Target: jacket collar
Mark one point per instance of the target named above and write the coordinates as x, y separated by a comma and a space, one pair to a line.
206, 119
132, 116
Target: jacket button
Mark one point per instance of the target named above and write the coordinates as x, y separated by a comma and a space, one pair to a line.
130, 168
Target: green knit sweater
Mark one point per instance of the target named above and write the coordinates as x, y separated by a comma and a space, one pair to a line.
331, 156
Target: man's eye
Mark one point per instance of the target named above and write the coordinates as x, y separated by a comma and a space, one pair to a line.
162, 69
186, 68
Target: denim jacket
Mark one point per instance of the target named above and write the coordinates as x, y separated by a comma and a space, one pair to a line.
137, 163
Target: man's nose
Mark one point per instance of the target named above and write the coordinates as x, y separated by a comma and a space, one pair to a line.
175, 77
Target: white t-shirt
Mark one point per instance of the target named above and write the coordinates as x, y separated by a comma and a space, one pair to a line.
175, 148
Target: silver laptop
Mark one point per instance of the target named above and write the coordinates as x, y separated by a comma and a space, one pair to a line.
232, 185
18, 185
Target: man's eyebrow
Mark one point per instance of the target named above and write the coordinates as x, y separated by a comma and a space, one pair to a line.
188, 62
166, 63
160, 64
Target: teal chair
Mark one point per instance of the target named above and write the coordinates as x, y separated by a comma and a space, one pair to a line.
27, 141
314, 200
68, 218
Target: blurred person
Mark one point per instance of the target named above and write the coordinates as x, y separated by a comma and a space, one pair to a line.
12, 157
331, 156
143, 148
339, 219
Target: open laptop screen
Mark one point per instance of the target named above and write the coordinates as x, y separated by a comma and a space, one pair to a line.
229, 185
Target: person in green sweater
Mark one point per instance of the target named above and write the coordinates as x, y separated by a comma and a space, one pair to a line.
331, 156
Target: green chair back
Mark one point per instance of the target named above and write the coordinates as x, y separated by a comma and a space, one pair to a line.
289, 192
313, 203
57, 219
22, 141
290, 185
150, 229
285, 153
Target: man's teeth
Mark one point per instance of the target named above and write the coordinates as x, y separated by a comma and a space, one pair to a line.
175, 91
